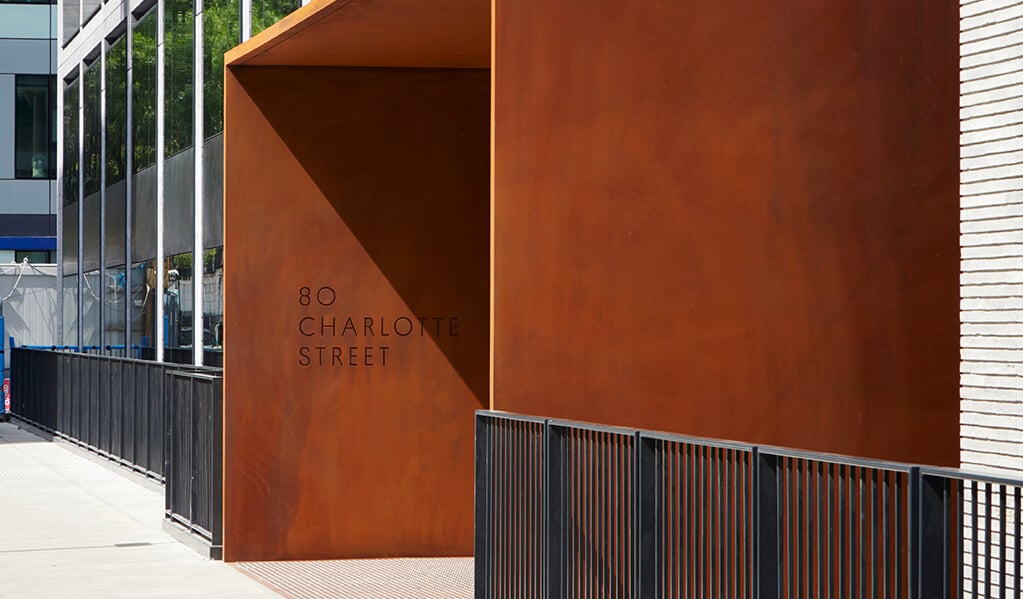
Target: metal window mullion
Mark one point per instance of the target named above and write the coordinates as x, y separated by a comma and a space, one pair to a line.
60, 206
245, 6
199, 145
129, 181
160, 132
102, 194
81, 203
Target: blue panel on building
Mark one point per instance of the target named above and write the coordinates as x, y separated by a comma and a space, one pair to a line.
28, 243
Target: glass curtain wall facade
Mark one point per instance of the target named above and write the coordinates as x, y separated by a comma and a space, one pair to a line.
70, 209
90, 217
142, 161
115, 289
143, 198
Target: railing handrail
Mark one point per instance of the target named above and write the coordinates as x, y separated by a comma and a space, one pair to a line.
188, 373
212, 369
960, 474
774, 450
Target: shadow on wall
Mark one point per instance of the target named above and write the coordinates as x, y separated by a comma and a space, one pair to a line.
408, 212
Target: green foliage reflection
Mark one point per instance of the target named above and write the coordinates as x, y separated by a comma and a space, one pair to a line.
117, 107
221, 32
143, 108
70, 194
179, 44
91, 149
267, 12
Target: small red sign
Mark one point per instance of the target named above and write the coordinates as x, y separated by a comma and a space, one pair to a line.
7, 395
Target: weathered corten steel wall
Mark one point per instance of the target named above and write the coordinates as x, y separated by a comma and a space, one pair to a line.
731, 221
362, 194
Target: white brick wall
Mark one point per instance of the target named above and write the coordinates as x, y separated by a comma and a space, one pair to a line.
991, 229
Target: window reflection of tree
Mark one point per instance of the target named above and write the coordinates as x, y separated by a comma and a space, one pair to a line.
267, 12
70, 190
91, 150
117, 108
143, 58
221, 32
179, 38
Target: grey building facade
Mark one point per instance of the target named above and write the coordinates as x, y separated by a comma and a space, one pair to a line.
28, 135
141, 172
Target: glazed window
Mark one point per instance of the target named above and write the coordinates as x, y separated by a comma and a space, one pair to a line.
91, 158
143, 108
70, 189
179, 20
35, 132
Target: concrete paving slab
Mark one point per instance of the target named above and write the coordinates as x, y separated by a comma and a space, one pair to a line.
70, 527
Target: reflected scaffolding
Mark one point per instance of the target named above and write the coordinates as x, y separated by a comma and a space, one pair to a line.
71, 310
91, 308
113, 306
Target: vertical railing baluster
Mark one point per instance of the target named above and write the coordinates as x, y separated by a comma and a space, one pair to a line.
829, 487
745, 557
508, 569
694, 548
622, 491
701, 511
730, 520
481, 488
885, 532
575, 523
808, 523
715, 517
681, 469
790, 560
861, 525
842, 520
873, 532
974, 537
602, 507
1018, 571
649, 500
987, 539
946, 541
930, 562
1003, 520
766, 528
960, 539
795, 540
665, 530
818, 482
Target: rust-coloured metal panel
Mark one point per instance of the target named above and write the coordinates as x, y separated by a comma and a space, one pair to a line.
375, 33
363, 194
731, 221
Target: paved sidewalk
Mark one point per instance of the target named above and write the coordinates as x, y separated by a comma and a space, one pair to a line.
70, 527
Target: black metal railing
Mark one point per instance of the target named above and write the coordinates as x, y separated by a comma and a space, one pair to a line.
116, 407
971, 535
163, 420
567, 509
194, 483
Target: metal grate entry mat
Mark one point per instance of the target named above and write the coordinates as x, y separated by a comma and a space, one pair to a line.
367, 578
